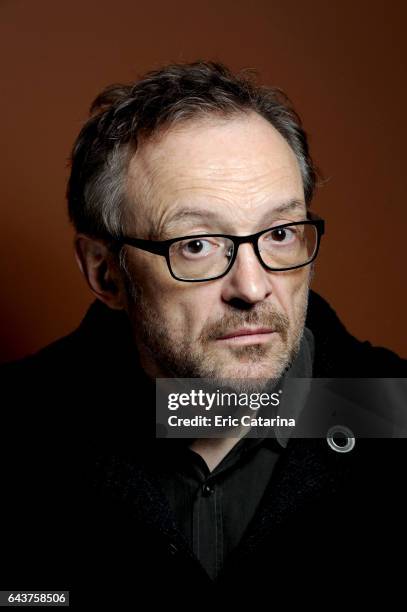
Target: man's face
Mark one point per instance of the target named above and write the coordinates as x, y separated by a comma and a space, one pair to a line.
231, 176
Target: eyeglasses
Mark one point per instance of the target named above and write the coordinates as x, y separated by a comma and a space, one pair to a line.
205, 257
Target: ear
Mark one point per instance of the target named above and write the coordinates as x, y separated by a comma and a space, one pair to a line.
101, 271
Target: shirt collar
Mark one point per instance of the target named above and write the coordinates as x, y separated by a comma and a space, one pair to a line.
301, 367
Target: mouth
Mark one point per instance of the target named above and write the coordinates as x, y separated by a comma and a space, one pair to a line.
248, 335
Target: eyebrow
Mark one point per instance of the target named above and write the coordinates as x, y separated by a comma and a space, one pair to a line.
200, 213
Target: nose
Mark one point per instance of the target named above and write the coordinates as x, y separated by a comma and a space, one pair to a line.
247, 281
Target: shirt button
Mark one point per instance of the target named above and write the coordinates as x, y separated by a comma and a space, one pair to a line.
207, 490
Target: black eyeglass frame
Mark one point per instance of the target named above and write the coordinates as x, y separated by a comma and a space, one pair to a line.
162, 247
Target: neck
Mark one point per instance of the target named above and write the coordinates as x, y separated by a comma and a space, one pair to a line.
213, 450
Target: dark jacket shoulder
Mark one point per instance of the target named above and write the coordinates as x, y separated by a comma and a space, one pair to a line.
339, 354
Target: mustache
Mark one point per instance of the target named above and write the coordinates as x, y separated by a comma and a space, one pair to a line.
265, 317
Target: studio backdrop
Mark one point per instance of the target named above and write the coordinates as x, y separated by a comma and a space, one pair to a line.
343, 65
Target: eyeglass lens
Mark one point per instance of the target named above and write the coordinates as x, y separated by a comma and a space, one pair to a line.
209, 256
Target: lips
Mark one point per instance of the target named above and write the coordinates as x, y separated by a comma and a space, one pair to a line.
247, 332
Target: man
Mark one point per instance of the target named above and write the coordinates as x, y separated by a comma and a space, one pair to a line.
190, 193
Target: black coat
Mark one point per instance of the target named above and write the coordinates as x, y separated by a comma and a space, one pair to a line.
80, 510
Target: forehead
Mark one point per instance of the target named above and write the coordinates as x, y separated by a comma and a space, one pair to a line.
241, 162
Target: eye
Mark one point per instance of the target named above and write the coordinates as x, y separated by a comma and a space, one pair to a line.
282, 235
199, 247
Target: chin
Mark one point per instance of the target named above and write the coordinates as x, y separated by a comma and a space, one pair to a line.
265, 370
243, 382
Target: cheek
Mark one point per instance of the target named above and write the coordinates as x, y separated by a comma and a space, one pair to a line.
151, 274
291, 290
182, 307
189, 307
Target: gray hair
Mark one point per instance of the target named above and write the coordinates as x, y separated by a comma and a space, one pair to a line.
123, 114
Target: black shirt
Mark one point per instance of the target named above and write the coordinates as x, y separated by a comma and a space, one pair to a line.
213, 509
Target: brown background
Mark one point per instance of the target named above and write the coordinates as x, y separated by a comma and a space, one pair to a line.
342, 63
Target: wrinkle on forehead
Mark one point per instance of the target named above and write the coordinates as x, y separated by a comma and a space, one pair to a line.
239, 162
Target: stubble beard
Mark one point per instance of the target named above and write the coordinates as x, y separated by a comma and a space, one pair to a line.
249, 368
